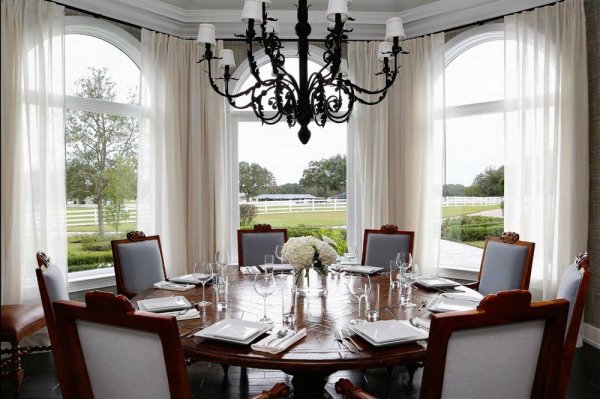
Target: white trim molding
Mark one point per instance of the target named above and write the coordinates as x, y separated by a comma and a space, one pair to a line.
432, 17
591, 335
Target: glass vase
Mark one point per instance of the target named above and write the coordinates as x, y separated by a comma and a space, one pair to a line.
309, 283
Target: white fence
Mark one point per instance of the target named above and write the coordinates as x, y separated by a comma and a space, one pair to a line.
87, 215
299, 206
470, 201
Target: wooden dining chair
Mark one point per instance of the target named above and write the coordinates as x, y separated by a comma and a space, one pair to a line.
53, 287
254, 244
505, 265
574, 288
117, 352
139, 263
344, 387
506, 348
278, 391
382, 245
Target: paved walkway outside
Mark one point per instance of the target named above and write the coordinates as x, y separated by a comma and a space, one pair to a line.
495, 213
454, 254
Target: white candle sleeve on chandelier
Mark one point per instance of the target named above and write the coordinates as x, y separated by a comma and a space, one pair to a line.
338, 7
394, 28
267, 3
273, 26
227, 59
252, 10
206, 34
385, 49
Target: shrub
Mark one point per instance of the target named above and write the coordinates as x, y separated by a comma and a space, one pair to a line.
247, 214
337, 235
471, 228
94, 242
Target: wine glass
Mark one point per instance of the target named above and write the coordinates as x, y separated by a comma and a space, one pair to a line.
411, 274
279, 255
359, 286
351, 254
203, 272
264, 284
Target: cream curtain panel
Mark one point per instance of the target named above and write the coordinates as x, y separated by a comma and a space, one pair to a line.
546, 137
33, 144
397, 147
183, 166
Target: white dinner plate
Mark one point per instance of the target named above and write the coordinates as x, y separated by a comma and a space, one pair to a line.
442, 304
361, 269
278, 268
185, 279
389, 332
235, 331
436, 283
167, 304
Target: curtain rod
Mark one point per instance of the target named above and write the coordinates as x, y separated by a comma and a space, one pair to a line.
131, 25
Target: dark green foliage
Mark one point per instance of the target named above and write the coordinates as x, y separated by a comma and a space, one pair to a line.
327, 176
247, 214
489, 183
471, 228
454, 190
255, 180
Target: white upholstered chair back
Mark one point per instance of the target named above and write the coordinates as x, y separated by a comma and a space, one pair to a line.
254, 244
122, 362
493, 362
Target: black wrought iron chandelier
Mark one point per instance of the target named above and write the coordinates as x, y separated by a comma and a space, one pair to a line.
304, 99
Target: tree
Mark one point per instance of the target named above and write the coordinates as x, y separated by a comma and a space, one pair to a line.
255, 179
288, 188
454, 190
95, 141
489, 183
122, 185
328, 176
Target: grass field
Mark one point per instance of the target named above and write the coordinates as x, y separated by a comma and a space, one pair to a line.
452, 211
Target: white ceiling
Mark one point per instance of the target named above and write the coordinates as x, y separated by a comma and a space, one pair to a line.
318, 5
181, 17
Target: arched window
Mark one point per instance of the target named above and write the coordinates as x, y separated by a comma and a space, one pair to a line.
277, 176
474, 145
102, 82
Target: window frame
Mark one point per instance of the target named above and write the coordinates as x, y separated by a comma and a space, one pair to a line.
131, 47
454, 48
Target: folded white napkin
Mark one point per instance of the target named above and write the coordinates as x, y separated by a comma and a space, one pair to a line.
189, 314
278, 345
166, 285
250, 270
467, 294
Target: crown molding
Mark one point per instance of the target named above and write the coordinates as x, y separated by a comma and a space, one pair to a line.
429, 18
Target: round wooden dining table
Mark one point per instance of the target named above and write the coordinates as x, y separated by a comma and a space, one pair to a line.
312, 359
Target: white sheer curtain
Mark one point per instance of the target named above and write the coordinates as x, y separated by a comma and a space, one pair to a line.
546, 137
33, 144
397, 147
182, 165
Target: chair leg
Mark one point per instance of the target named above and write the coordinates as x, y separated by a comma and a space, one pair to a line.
412, 368
12, 369
225, 368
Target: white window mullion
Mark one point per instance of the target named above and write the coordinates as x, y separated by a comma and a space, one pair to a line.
103, 107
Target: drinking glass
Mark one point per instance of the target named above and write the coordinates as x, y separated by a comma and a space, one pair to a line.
351, 254
203, 272
394, 275
222, 259
359, 286
222, 292
372, 300
264, 284
279, 255
410, 275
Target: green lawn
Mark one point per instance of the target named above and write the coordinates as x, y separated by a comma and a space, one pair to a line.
452, 211
478, 244
306, 219
94, 228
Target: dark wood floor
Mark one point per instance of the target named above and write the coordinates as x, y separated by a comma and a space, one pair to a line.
208, 380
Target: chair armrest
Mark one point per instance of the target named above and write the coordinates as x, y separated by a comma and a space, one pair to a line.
346, 388
279, 390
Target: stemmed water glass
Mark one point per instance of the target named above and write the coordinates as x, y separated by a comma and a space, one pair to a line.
359, 286
410, 275
279, 255
264, 284
203, 272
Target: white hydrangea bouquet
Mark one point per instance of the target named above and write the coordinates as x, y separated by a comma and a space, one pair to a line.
309, 252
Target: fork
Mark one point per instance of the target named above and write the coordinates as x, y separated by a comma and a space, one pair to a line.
345, 334
339, 338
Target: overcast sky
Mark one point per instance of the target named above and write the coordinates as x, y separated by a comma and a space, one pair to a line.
473, 143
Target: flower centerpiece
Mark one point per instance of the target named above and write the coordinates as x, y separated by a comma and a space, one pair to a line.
310, 258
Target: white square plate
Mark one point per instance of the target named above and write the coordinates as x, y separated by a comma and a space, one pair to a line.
159, 305
361, 269
278, 267
389, 332
443, 305
436, 282
185, 279
235, 331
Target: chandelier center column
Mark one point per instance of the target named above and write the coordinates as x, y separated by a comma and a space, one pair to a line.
304, 114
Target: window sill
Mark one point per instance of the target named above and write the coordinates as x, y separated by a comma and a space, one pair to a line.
91, 280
